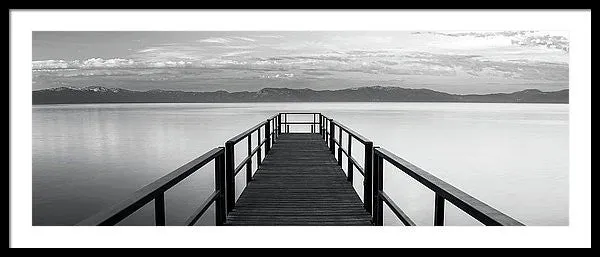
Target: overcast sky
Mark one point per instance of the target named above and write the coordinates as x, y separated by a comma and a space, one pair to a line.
450, 61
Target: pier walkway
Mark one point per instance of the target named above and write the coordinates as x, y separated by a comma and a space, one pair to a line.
299, 183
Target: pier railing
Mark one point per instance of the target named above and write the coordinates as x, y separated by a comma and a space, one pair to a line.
155, 191
372, 171
267, 133
283, 122
266, 138
329, 134
443, 191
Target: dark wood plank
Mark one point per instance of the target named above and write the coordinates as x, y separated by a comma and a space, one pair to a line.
299, 183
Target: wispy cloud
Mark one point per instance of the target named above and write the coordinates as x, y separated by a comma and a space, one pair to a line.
99, 63
217, 40
553, 42
407, 63
318, 73
147, 50
226, 40
237, 53
235, 46
519, 38
270, 36
370, 53
245, 39
474, 65
478, 34
387, 62
433, 57
50, 64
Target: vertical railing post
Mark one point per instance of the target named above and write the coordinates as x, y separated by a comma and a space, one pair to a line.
268, 136
287, 126
331, 137
274, 129
285, 123
319, 118
367, 182
316, 122
327, 128
229, 176
350, 165
324, 127
438, 216
321, 126
312, 126
159, 209
340, 147
278, 124
275, 136
249, 161
377, 187
220, 211
325, 124
259, 151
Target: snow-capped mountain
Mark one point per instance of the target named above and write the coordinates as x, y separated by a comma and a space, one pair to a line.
99, 94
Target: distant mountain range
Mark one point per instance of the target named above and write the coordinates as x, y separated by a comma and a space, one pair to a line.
97, 94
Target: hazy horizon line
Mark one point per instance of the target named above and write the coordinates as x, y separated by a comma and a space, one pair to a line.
306, 88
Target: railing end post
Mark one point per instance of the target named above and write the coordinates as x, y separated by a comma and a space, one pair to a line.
159, 209
220, 210
331, 136
377, 188
229, 174
350, 165
368, 179
438, 216
268, 136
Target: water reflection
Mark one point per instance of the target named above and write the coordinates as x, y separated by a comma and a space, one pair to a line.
511, 156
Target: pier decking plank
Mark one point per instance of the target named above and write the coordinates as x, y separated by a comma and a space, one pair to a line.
299, 183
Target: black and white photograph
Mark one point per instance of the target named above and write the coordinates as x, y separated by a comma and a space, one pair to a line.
328, 129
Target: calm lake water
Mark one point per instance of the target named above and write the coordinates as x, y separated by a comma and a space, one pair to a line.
514, 157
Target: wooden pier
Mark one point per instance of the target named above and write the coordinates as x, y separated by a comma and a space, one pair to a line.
300, 181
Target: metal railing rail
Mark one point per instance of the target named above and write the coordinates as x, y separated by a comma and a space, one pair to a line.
443, 191
366, 170
156, 191
271, 132
283, 121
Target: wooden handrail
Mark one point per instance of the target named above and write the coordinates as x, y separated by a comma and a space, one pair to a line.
443, 191
329, 135
231, 170
352, 162
203, 207
244, 134
156, 189
396, 210
300, 113
300, 122
249, 157
354, 134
